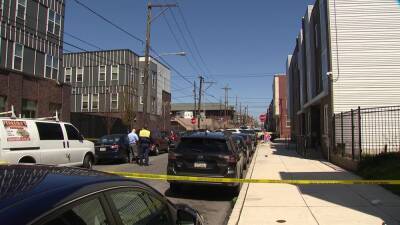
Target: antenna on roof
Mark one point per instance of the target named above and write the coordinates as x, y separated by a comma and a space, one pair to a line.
13, 116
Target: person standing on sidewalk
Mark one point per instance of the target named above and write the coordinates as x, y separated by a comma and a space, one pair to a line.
133, 139
144, 142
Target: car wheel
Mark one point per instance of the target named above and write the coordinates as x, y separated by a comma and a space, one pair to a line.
88, 161
174, 187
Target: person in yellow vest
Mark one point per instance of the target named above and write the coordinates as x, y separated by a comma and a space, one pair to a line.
144, 146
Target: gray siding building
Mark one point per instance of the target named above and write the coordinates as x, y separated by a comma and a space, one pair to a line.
111, 83
103, 82
31, 46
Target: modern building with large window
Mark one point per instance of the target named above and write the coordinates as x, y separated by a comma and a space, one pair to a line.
31, 56
107, 90
103, 85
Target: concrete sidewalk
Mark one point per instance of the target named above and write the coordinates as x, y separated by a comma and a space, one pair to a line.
309, 204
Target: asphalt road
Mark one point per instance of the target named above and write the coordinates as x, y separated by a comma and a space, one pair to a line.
214, 203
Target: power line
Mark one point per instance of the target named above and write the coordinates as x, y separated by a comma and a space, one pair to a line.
83, 41
109, 21
186, 42
178, 43
193, 40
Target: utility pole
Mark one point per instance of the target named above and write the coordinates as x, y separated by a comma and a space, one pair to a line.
199, 106
195, 99
236, 111
147, 52
226, 89
241, 120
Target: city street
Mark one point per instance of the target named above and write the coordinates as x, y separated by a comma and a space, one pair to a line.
214, 203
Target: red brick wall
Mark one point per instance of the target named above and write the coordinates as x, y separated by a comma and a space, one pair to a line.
16, 86
284, 131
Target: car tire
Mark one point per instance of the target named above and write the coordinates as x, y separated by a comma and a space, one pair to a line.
88, 161
174, 187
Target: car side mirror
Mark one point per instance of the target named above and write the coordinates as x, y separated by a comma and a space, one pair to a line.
188, 216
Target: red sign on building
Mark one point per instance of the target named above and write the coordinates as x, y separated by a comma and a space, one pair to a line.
193, 120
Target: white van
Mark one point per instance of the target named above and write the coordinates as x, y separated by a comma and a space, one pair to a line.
43, 142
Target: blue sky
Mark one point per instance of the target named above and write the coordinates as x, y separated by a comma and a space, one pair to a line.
235, 39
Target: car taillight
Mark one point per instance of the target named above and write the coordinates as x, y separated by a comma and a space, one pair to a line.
115, 147
230, 158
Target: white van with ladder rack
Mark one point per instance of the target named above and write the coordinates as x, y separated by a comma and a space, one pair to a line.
43, 141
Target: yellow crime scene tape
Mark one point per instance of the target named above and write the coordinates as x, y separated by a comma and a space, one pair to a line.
259, 181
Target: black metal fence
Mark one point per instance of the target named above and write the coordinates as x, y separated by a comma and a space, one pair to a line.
369, 131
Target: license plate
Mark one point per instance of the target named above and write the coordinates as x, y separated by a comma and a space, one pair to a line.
102, 149
200, 165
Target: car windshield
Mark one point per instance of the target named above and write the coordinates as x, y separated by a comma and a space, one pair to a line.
202, 145
110, 139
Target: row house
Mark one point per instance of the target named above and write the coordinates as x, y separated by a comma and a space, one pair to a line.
31, 46
278, 120
346, 56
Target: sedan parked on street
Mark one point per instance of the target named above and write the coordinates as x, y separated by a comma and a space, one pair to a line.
112, 147
206, 154
73, 196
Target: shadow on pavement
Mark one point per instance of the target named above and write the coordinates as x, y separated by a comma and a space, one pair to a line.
202, 192
367, 199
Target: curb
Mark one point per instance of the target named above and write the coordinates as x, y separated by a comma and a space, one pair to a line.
237, 209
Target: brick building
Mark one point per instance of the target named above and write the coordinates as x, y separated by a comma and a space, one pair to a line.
279, 120
30, 57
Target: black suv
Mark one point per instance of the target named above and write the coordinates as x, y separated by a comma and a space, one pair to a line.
206, 154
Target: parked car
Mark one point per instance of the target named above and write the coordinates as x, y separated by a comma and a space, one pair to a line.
206, 155
69, 195
241, 144
44, 142
160, 142
248, 140
253, 135
112, 147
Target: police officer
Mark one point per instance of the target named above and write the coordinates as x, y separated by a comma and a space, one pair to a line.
144, 142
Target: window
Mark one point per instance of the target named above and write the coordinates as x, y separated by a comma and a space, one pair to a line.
51, 67
95, 101
141, 100
326, 119
154, 80
114, 72
153, 105
142, 78
316, 36
102, 73
49, 131
2, 104
18, 56
21, 9
136, 207
28, 108
87, 213
79, 74
73, 133
114, 101
85, 102
54, 22
68, 74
